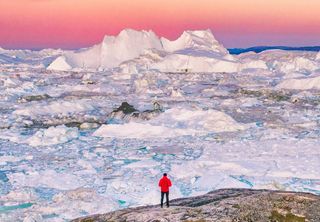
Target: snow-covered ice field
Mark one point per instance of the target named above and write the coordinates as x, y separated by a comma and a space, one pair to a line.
209, 119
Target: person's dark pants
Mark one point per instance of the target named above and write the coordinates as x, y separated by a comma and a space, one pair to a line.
167, 198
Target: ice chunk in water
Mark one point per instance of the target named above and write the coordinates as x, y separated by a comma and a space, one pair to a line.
53, 135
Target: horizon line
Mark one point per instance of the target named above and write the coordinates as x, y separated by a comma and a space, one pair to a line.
228, 48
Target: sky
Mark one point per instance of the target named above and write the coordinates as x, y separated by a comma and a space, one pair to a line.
71, 24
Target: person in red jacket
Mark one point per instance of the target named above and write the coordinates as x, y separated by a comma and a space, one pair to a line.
165, 183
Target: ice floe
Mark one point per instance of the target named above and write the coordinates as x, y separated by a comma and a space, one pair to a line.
52, 136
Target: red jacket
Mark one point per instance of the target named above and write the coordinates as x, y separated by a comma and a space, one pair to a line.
165, 183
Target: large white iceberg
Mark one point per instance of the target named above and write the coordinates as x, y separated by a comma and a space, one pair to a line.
131, 44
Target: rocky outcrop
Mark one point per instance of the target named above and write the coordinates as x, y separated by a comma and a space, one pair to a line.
127, 112
234, 205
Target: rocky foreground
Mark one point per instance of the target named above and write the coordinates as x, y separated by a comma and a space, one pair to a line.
225, 205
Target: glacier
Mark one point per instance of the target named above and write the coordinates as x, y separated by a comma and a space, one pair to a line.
70, 146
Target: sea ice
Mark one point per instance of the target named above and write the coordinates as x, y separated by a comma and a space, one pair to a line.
53, 108
46, 178
52, 136
140, 130
248, 120
300, 83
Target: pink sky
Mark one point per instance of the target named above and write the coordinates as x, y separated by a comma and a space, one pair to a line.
81, 23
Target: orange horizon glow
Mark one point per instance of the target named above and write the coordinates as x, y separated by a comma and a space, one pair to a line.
81, 23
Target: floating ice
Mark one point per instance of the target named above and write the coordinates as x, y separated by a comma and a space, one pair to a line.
186, 63
248, 120
174, 122
300, 84
298, 64
52, 136
64, 108
140, 130
47, 178
60, 64
209, 120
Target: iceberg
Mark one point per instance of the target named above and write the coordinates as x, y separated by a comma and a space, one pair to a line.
131, 44
60, 64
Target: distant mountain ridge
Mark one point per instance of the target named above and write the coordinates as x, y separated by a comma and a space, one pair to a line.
258, 49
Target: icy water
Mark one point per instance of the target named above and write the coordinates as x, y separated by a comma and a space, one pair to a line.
215, 131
